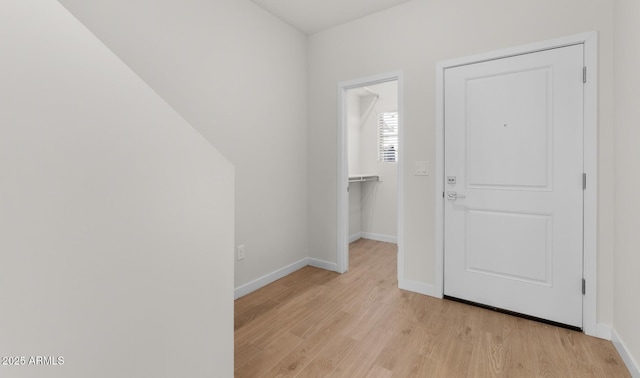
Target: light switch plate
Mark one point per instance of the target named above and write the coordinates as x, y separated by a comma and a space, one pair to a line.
421, 168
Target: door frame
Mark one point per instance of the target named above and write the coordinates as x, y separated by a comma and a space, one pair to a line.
343, 167
590, 143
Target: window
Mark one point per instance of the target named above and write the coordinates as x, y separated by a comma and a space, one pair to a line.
388, 137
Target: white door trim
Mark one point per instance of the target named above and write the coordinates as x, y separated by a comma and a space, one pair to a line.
343, 167
590, 42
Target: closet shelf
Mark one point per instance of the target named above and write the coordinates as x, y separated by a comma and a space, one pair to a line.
363, 178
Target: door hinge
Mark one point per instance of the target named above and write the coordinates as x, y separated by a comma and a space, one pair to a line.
584, 74
584, 181
584, 286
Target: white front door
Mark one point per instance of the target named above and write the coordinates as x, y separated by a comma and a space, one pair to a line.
514, 183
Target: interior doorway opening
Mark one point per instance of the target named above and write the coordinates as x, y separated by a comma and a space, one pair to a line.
370, 151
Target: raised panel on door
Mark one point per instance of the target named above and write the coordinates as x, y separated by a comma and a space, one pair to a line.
525, 255
509, 130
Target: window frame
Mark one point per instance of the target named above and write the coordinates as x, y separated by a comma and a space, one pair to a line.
390, 140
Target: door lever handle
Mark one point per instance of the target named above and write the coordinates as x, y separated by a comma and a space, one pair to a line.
452, 196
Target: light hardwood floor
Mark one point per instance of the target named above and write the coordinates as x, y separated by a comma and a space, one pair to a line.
315, 323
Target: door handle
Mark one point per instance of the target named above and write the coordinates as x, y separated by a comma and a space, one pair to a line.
452, 196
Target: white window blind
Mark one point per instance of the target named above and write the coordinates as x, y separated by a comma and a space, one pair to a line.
388, 136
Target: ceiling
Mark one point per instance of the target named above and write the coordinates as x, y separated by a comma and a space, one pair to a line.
312, 16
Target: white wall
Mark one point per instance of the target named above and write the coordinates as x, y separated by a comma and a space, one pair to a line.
372, 205
414, 36
353, 131
353, 153
379, 200
627, 155
355, 211
238, 75
116, 216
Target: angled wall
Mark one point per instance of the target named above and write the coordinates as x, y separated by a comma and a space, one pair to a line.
238, 75
116, 216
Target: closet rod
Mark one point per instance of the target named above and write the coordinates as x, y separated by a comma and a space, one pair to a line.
364, 178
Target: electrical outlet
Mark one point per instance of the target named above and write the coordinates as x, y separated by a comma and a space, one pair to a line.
240, 252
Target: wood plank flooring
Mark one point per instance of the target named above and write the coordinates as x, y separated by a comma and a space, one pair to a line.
314, 323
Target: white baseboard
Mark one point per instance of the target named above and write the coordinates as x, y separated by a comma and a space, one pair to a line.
420, 288
603, 331
632, 365
268, 278
379, 237
274, 276
355, 237
323, 264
